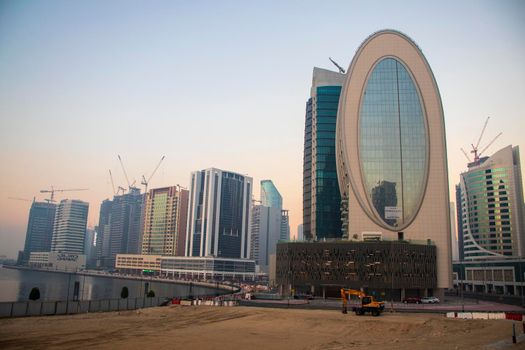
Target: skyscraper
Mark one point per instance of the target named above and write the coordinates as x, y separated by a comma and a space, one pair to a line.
89, 248
492, 210
39, 229
265, 232
285, 226
219, 214
102, 248
270, 197
300, 236
69, 229
391, 151
321, 196
459, 225
124, 225
165, 217
453, 233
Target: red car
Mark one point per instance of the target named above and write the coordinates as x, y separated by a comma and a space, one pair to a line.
412, 300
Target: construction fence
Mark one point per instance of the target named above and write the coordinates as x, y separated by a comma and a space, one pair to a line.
42, 308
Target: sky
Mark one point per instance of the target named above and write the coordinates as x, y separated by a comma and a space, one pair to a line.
220, 84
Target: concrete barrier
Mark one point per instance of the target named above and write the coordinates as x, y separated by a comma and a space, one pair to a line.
477, 315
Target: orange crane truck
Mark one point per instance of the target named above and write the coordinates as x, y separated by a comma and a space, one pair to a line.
368, 303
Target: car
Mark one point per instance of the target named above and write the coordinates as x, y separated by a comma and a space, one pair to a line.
412, 300
430, 300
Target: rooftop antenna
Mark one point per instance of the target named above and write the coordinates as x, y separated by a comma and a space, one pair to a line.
341, 70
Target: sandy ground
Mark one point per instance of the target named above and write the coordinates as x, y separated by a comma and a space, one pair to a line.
207, 327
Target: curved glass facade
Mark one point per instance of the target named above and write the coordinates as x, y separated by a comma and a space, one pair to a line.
392, 143
487, 215
270, 196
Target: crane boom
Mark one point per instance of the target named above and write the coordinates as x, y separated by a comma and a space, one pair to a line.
156, 168
53, 190
465, 153
482, 132
124, 170
21, 199
490, 143
146, 182
341, 70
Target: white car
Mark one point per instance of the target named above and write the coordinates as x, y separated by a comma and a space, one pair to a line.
429, 300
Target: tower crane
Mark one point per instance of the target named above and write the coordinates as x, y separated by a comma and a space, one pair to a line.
466, 155
475, 148
146, 182
22, 199
53, 190
124, 171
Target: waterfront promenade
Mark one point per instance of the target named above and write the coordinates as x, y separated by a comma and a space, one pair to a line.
226, 286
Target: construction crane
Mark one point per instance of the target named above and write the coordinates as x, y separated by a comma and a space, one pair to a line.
22, 199
341, 70
124, 170
475, 148
466, 155
120, 188
146, 182
53, 190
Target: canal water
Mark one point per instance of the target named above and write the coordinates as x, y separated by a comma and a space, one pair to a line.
15, 285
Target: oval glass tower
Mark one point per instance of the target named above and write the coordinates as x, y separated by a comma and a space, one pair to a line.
391, 150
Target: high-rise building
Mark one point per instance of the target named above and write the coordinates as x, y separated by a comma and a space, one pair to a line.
300, 235
90, 248
39, 229
321, 196
124, 225
265, 232
391, 151
453, 233
459, 225
165, 217
69, 229
492, 211
219, 214
270, 197
285, 226
103, 229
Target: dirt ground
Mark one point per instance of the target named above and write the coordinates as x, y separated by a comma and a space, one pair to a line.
208, 327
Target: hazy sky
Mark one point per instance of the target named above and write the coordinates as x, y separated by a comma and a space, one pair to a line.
220, 84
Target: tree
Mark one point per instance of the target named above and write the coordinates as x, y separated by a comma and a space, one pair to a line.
151, 294
124, 293
34, 294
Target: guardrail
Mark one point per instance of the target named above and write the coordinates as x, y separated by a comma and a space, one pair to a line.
43, 308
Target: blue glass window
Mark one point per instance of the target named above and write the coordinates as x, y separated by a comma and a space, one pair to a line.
393, 143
